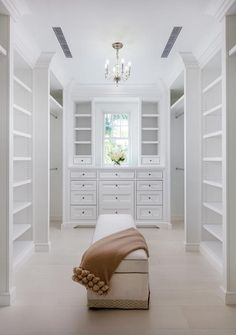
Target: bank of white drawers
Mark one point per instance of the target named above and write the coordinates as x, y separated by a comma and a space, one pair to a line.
149, 195
83, 195
138, 192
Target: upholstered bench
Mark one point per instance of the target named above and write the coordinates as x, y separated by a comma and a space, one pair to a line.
129, 283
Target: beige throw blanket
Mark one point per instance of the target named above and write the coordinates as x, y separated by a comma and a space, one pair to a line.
102, 258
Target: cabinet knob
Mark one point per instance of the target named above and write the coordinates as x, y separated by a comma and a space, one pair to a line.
149, 198
149, 174
82, 197
116, 174
116, 185
82, 160
116, 198
83, 185
149, 212
150, 160
83, 174
149, 185
116, 212
82, 212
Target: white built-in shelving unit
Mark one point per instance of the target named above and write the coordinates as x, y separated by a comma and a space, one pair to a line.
150, 130
22, 159
83, 123
212, 183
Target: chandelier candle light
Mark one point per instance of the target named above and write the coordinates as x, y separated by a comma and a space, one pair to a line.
120, 71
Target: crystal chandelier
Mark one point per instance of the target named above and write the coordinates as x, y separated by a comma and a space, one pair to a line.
120, 71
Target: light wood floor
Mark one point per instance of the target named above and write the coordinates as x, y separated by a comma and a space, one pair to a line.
185, 294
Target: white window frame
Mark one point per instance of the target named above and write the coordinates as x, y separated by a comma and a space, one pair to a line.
127, 163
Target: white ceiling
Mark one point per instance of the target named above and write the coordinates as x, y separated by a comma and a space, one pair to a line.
91, 26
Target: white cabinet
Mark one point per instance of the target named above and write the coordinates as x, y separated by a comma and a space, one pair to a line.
137, 191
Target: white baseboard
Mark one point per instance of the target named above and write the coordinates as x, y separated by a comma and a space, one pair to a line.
6, 298
192, 246
230, 298
42, 247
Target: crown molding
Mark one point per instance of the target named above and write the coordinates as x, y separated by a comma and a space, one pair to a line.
210, 51
218, 9
189, 60
44, 60
110, 90
15, 8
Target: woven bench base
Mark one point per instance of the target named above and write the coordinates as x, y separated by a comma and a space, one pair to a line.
119, 304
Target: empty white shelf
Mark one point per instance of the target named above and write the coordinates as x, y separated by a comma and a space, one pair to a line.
82, 142
150, 115
212, 84
213, 134
22, 84
22, 110
150, 128
21, 134
214, 206
19, 229
55, 106
178, 105
3, 51
150, 142
20, 206
232, 51
21, 249
22, 183
212, 110
213, 250
82, 115
212, 159
83, 128
212, 183
215, 229
22, 159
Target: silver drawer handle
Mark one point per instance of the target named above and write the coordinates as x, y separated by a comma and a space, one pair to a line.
83, 174
149, 174
149, 212
149, 198
116, 185
83, 212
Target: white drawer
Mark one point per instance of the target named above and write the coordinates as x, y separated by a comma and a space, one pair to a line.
83, 212
116, 200
83, 160
87, 185
149, 213
150, 160
83, 174
149, 198
153, 185
115, 175
83, 198
117, 187
115, 211
149, 174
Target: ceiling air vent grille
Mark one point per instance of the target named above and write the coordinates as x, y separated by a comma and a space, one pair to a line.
62, 41
171, 41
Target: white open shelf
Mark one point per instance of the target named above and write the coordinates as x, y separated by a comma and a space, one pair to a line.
215, 229
212, 159
232, 51
21, 134
19, 229
3, 51
213, 250
26, 158
212, 183
213, 134
22, 110
21, 249
178, 105
20, 206
55, 106
22, 182
212, 110
212, 84
214, 206
150, 115
22, 84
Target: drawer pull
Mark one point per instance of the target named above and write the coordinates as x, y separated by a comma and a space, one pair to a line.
149, 174
116, 185
116, 198
82, 212
149, 212
82, 197
150, 160
83, 174
83, 185
116, 212
149, 185
82, 160
116, 174
149, 198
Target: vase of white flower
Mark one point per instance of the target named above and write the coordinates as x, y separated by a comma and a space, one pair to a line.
117, 157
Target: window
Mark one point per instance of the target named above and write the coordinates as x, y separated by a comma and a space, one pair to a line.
116, 136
